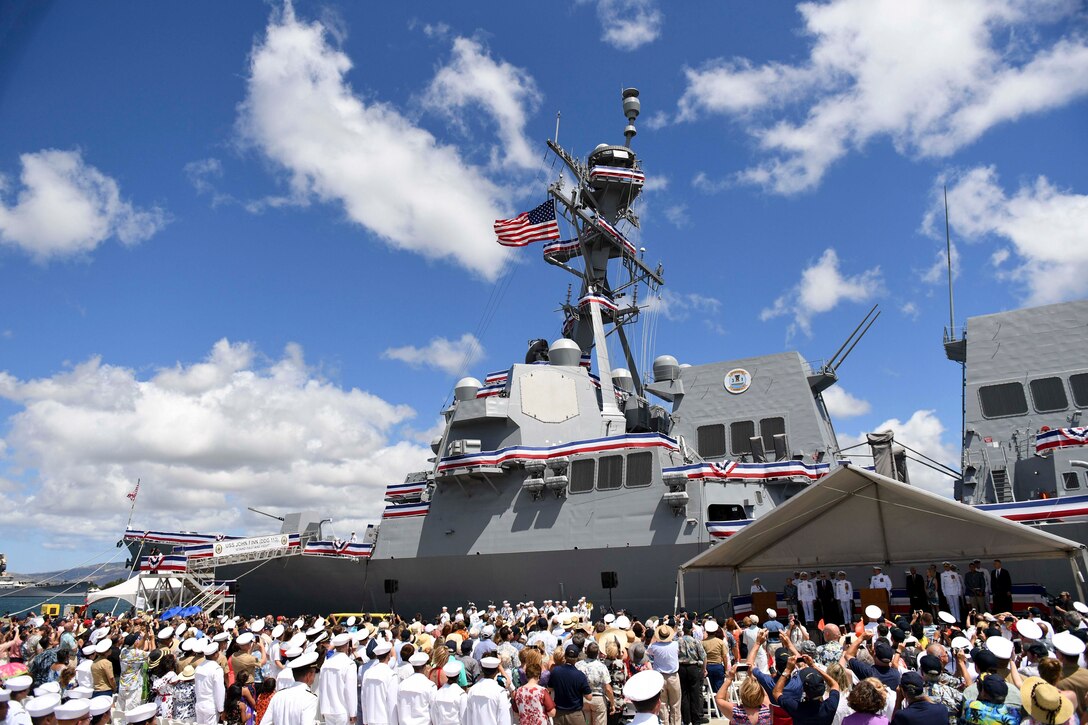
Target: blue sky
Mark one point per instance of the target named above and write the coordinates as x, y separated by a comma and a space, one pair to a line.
246, 250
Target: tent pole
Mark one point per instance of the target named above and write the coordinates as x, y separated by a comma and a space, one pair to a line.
1078, 577
680, 584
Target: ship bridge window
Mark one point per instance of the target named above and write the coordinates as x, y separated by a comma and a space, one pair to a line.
609, 473
711, 440
769, 428
1048, 394
725, 512
1070, 480
640, 469
581, 475
1003, 399
740, 436
1079, 385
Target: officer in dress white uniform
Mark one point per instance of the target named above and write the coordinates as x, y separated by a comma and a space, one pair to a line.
844, 595
643, 689
449, 703
880, 580
379, 689
83, 669
417, 693
18, 688
208, 686
338, 686
806, 593
296, 705
952, 588
488, 703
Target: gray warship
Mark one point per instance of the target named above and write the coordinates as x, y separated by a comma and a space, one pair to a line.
572, 474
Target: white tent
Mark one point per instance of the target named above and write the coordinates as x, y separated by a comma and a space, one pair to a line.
854, 517
129, 590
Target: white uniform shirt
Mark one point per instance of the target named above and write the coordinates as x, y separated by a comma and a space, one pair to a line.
758, 588
644, 718
209, 691
17, 715
881, 581
449, 704
488, 704
83, 674
378, 695
414, 700
806, 591
293, 706
951, 584
285, 679
844, 590
338, 689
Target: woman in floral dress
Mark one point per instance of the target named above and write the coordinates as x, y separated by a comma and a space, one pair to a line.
184, 702
533, 703
130, 692
163, 680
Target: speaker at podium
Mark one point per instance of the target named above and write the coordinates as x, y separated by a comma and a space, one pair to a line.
877, 597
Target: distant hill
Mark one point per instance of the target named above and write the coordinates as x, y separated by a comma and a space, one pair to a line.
105, 574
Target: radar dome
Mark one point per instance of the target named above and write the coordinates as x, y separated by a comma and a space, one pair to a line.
565, 353
466, 389
436, 443
666, 368
621, 378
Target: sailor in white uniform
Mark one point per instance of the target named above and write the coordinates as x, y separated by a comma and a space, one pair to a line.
338, 685
952, 588
208, 687
448, 707
379, 689
757, 586
880, 580
844, 595
416, 694
18, 689
488, 703
643, 689
296, 705
806, 593
40, 708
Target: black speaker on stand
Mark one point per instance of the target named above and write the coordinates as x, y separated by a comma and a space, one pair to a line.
391, 587
609, 581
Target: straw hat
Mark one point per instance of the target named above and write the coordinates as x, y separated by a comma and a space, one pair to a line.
1044, 702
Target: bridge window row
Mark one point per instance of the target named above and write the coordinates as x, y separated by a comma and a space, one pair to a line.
608, 472
711, 438
1048, 395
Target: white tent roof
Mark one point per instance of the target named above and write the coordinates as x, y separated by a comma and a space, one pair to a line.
856, 518
127, 590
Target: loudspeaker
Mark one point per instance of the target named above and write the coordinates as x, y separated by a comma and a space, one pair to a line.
609, 580
391, 586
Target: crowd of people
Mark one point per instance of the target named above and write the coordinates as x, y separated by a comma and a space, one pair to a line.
553, 664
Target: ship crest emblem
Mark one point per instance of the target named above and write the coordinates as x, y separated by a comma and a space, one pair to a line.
737, 381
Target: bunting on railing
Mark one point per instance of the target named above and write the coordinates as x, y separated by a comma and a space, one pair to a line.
736, 471
344, 549
563, 250
406, 510
404, 492
617, 236
451, 464
635, 176
1061, 438
160, 564
173, 538
598, 299
494, 383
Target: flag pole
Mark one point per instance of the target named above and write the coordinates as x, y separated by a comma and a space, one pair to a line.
132, 508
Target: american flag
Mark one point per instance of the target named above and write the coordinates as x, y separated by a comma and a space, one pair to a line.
131, 495
529, 226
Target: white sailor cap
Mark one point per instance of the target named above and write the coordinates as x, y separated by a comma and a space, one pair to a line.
609, 618
257, 625
772, 613
428, 628
165, 633
221, 637
297, 641
103, 646
297, 624
307, 659
72, 710
277, 631
873, 612
180, 629
946, 617
89, 650
710, 626
1001, 647
292, 652
313, 630
419, 659
321, 637
622, 622
141, 713
961, 643
383, 624
48, 688
211, 647
341, 639
1081, 607
643, 686
223, 618
187, 644
490, 663
231, 623
382, 647
319, 622
244, 638
351, 621
1029, 629
452, 668
80, 693
42, 705
5, 695
1068, 644
100, 704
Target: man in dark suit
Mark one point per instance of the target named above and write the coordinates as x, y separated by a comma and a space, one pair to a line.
1001, 586
916, 591
825, 595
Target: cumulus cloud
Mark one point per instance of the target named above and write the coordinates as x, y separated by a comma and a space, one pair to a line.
841, 404
822, 287
392, 177
924, 432
1043, 225
507, 94
929, 76
66, 207
451, 356
629, 24
679, 306
207, 439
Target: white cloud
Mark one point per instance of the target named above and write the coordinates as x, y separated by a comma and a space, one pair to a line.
67, 207
929, 76
207, 439
451, 356
629, 24
677, 306
910, 309
924, 432
508, 94
677, 214
841, 404
821, 289
391, 176
938, 271
1044, 225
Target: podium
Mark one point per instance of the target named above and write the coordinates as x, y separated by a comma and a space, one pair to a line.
879, 597
762, 601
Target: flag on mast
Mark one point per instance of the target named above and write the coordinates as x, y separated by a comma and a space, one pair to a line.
537, 225
131, 495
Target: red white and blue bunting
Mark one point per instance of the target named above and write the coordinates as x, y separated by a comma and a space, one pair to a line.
468, 461
406, 510
1061, 438
635, 176
735, 471
598, 299
343, 549
404, 492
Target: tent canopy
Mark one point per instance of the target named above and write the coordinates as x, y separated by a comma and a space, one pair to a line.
128, 590
856, 518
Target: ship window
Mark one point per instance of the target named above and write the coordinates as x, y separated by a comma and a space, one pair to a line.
609, 473
769, 428
711, 440
1002, 400
1079, 384
740, 435
1048, 394
1070, 480
640, 469
581, 475
725, 512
